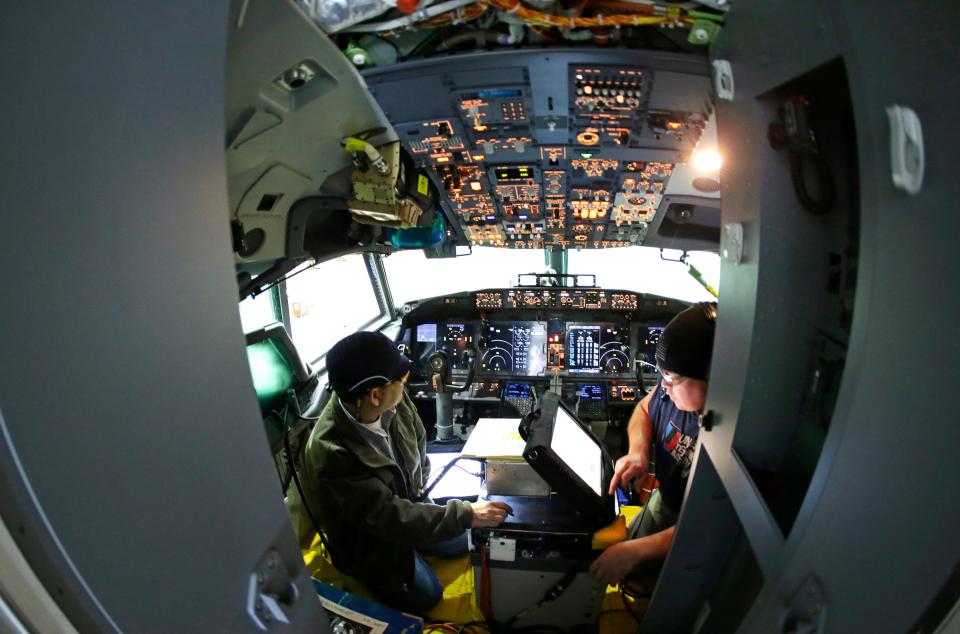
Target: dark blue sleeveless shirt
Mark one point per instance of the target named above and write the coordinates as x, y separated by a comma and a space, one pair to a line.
675, 438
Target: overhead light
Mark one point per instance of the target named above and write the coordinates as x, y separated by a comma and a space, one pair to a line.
706, 160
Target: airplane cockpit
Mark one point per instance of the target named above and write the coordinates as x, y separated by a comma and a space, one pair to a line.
521, 195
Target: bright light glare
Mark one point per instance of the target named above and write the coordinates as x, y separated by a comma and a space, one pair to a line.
706, 161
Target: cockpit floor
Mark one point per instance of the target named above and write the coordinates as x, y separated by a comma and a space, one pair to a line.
459, 604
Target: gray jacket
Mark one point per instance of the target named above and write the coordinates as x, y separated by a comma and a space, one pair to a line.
365, 501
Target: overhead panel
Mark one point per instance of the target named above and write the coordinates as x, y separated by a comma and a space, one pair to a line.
528, 157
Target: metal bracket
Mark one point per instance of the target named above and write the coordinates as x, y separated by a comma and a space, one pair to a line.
682, 259
732, 250
906, 149
723, 79
271, 592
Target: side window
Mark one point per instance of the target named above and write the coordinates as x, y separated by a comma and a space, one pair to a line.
257, 312
328, 301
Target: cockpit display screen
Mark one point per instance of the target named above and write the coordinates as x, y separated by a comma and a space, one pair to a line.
598, 349
457, 338
515, 348
590, 392
517, 390
649, 338
513, 173
427, 333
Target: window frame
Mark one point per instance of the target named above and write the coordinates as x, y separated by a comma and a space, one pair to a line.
373, 262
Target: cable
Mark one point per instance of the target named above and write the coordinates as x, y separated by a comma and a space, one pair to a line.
408, 20
446, 468
292, 398
485, 605
828, 191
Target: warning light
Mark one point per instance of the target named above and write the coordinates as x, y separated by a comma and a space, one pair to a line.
443, 159
478, 157
480, 128
673, 125
475, 186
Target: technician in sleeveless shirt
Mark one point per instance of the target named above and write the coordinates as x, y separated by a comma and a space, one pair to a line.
668, 419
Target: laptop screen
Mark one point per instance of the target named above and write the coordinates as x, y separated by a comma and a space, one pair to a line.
577, 450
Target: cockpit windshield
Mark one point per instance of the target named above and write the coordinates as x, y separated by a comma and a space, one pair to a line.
413, 276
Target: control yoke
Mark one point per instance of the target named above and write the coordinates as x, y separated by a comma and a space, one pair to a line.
439, 364
440, 384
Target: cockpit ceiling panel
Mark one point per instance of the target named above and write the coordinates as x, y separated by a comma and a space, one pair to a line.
549, 149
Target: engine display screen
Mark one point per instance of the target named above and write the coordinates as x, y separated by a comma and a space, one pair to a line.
598, 348
515, 348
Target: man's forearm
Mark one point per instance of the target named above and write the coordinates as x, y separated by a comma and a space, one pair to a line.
655, 546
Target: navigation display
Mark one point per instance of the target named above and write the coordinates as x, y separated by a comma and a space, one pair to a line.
577, 450
515, 348
598, 349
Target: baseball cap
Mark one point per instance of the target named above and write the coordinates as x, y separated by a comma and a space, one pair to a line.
686, 345
364, 360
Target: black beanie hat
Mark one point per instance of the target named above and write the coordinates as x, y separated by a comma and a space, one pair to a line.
687, 342
364, 360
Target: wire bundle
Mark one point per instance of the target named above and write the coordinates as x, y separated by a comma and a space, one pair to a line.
639, 14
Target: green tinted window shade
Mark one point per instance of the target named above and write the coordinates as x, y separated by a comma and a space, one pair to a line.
272, 375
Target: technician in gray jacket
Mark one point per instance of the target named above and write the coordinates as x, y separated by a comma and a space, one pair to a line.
366, 467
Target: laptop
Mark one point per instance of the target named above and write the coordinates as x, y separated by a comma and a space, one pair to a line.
576, 465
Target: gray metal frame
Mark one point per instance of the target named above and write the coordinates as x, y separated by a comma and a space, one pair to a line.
874, 541
134, 470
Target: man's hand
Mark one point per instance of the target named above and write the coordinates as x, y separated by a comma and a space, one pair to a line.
630, 466
489, 514
615, 562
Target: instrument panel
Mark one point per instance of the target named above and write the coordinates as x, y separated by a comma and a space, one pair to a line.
540, 348
594, 347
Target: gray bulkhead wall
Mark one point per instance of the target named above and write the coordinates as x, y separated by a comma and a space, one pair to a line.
874, 543
134, 471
